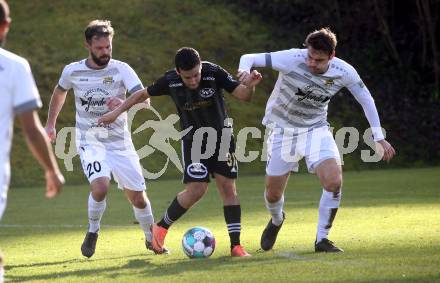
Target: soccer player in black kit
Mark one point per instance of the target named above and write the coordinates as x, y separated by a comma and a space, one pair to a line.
196, 88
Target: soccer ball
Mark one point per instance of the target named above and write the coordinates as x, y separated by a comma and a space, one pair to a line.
198, 242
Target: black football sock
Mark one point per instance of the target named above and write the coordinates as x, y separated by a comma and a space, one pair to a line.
233, 221
173, 212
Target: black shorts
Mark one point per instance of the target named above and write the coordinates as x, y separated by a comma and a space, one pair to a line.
222, 161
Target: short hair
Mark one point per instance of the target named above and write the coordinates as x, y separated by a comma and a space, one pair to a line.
99, 28
322, 40
4, 11
186, 58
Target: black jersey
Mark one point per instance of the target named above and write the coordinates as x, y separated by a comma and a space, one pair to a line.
201, 107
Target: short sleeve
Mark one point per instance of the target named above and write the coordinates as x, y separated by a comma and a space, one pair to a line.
130, 78
65, 82
159, 87
26, 96
225, 80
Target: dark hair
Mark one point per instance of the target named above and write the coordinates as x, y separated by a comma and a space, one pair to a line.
99, 28
322, 40
4, 11
186, 58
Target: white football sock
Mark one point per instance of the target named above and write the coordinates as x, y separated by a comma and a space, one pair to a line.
275, 209
145, 218
328, 206
95, 212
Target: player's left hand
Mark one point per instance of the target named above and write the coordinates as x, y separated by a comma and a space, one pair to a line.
243, 75
254, 78
114, 103
108, 118
386, 150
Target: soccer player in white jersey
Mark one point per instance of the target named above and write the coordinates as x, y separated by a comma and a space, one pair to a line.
296, 113
20, 97
99, 83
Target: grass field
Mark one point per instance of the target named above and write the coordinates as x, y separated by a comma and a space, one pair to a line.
389, 226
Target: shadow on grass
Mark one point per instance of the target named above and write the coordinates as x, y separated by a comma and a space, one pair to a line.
139, 267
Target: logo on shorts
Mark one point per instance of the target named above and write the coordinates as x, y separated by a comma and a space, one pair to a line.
197, 170
207, 92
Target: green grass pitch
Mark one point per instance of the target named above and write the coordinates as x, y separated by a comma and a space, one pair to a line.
388, 224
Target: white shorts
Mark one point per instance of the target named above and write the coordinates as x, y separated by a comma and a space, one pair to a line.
3, 194
286, 147
4, 185
124, 165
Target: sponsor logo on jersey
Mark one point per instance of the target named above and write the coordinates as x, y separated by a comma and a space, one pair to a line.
94, 101
197, 170
196, 105
314, 93
83, 79
175, 85
108, 80
208, 79
206, 92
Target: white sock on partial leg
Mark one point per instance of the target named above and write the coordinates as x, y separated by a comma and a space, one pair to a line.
275, 209
95, 212
145, 218
328, 206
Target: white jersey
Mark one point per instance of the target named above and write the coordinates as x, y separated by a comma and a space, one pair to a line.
18, 94
92, 89
300, 98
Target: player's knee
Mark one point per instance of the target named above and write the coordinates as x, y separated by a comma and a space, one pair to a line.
273, 196
197, 192
139, 201
333, 183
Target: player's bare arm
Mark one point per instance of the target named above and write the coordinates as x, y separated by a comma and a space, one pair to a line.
246, 88
42, 151
137, 97
56, 104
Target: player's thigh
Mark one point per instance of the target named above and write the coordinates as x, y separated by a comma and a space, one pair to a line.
127, 170
321, 146
94, 162
283, 153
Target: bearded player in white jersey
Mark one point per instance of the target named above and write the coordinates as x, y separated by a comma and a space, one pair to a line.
99, 84
296, 113
20, 98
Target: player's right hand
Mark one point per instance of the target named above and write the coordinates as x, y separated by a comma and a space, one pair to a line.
54, 182
51, 133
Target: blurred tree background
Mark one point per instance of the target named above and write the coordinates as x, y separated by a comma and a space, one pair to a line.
394, 45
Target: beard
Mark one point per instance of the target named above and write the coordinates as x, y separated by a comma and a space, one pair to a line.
100, 61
